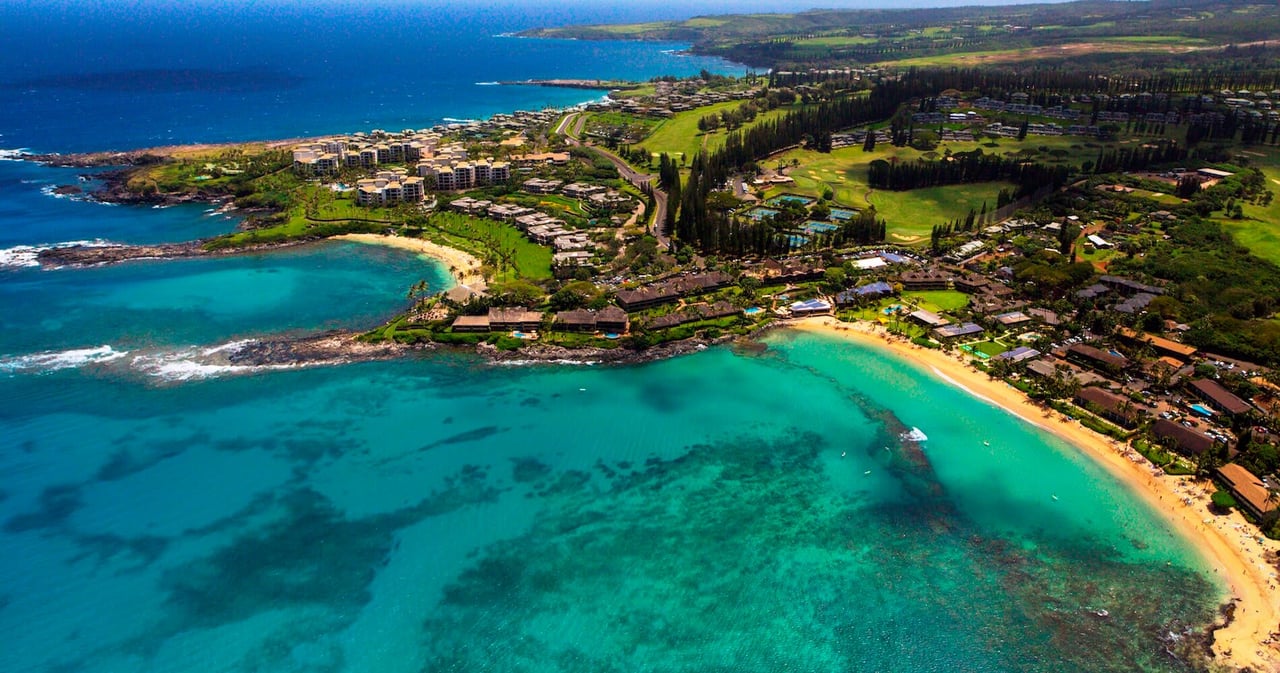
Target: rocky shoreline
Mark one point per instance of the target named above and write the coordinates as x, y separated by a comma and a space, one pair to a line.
342, 347
99, 255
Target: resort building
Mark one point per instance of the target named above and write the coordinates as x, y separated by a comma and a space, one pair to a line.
928, 318
926, 280
1097, 358
516, 318
315, 160
388, 188
1179, 438
612, 320
956, 331
451, 174
540, 186
1250, 492
1115, 408
1220, 398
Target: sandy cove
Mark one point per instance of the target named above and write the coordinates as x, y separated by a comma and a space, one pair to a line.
464, 268
1228, 543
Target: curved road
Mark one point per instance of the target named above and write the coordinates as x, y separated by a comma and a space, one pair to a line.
571, 127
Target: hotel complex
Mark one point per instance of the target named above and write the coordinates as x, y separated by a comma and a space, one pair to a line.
447, 164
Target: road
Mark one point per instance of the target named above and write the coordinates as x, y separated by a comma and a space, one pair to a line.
571, 127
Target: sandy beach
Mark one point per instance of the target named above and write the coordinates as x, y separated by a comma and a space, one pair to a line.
464, 268
1234, 548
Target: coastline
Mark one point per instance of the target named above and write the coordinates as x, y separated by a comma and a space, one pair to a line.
464, 267
1180, 500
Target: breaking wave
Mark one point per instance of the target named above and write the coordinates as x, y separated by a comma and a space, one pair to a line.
50, 361
29, 255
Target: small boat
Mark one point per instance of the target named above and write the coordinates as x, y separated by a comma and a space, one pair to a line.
1054, 497
914, 435
867, 472
842, 453
986, 443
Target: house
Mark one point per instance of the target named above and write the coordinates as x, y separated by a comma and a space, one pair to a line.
954, 331
926, 280
541, 186
810, 307
972, 284
868, 292
1045, 316
580, 320
514, 319
471, 323
1113, 407
1012, 318
928, 318
1180, 351
1220, 398
612, 319
646, 297
1250, 491
1184, 440
1097, 358
1019, 354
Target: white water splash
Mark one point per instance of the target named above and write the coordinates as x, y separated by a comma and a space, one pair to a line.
29, 255
50, 361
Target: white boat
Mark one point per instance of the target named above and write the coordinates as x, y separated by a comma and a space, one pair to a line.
986, 443
914, 435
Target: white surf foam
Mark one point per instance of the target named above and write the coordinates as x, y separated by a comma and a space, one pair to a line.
50, 361
195, 363
13, 155
28, 255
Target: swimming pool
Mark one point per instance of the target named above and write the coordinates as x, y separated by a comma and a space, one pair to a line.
1202, 410
753, 310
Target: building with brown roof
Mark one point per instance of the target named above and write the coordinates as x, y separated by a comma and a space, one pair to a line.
1113, 407
1097, 358
1161, 345
471, 323
1220, 398
1184, 440
612, 319
926, 280
514, 318
579, 320
1250, 491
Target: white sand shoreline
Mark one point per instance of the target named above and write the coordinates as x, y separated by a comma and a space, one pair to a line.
1228, 544
463, 266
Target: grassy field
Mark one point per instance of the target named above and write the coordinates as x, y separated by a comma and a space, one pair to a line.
1260, 229
937, 300
911, 215
488, 240
679, 135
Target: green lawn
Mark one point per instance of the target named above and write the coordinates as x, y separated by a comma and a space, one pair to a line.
990, 348
1260, 230
679, 135
937, 300
492, 241
911, 214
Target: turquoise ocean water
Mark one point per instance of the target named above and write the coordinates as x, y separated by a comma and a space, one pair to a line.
723, 511
751, 510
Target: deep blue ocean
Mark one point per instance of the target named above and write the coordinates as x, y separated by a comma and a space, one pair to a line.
162, 510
